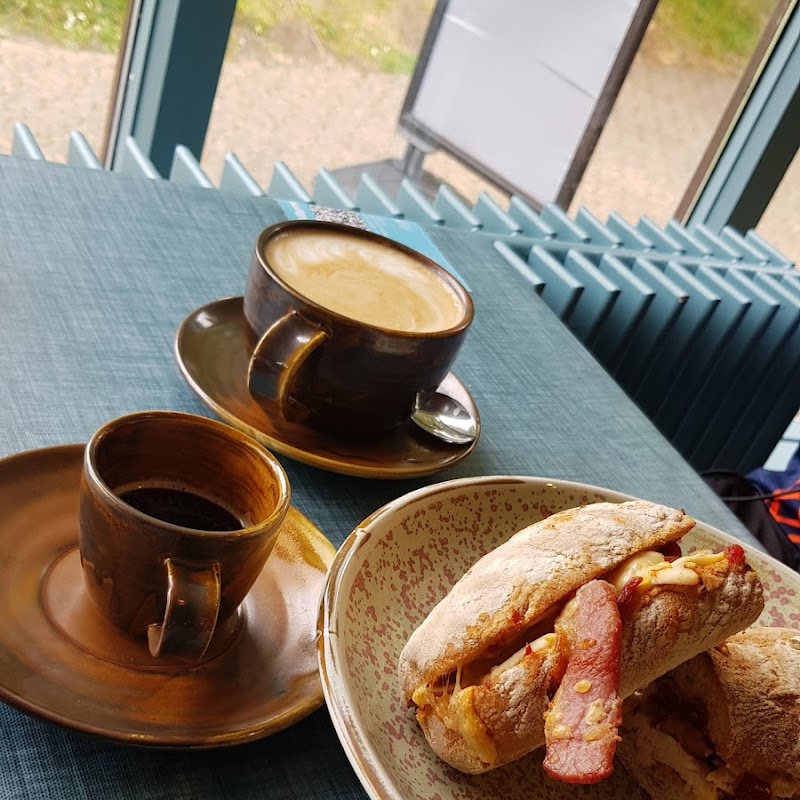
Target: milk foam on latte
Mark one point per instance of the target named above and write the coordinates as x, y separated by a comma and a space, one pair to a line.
364, 280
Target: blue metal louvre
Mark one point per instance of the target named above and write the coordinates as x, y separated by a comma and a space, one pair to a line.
700, 327
773, 347
633, 300
560, 291
703, 354
736, 354
697, 308
595, 301
639, 352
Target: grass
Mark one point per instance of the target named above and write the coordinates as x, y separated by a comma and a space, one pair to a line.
385, 35
382, 35
79, 23
720, 32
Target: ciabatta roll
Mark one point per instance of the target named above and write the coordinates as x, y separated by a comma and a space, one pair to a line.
486, 664
725, 724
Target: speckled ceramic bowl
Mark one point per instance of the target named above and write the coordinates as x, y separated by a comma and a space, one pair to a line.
385, 579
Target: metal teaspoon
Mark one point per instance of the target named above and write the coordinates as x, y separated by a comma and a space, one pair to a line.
444, 418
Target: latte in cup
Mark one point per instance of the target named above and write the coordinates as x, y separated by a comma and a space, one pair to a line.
365, 280
348, 326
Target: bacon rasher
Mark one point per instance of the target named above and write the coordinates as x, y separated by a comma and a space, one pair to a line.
581, 723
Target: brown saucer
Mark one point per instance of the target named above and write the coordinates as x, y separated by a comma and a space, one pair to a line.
60, 662
213, 354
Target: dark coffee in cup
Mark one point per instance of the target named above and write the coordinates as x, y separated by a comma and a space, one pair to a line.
181, 507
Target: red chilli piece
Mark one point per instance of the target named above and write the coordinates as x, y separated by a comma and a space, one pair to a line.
735, 555
582, 720
627, 593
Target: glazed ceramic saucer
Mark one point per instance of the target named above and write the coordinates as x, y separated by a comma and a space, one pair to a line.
60, 660
213, 354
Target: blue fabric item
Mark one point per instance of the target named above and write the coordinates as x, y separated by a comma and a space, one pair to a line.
97, 270
784, 507
752, 506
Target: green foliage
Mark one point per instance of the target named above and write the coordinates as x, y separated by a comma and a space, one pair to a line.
724, 32
377, 34
82, 23
261, 17
381, 35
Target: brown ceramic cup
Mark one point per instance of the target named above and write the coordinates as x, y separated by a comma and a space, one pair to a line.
178, 515
347, 326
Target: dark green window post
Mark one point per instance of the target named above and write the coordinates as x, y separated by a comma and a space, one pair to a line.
167, 78
757, 137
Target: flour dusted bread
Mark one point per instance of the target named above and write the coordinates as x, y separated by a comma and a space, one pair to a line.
483, 667
723, 724
514, 585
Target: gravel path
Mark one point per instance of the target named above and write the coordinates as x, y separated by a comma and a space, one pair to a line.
326, 114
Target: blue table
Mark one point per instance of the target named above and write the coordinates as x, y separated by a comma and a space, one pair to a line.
97, 271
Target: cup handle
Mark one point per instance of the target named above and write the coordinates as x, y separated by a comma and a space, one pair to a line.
278, 356
193, 597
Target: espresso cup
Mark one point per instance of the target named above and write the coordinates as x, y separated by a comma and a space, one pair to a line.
178, 515
347, 326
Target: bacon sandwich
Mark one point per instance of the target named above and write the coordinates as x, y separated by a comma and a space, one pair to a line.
723, 726
542, 638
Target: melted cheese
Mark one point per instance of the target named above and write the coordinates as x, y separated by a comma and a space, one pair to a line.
462, 718
654, 570
648, 565
595, 713
536, 646
422, 696
634, 567
724, 779
456, 710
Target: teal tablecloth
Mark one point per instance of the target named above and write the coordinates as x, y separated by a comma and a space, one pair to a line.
96, 273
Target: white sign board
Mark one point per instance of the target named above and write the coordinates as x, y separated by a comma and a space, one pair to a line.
516, 88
